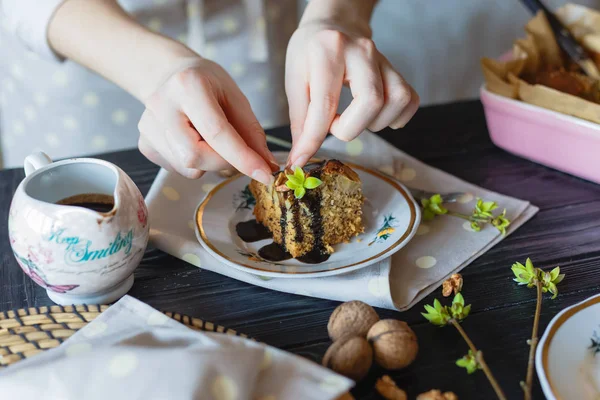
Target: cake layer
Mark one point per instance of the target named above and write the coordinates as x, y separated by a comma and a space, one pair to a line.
324, 216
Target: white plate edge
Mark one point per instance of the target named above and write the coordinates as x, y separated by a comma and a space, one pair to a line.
539, 367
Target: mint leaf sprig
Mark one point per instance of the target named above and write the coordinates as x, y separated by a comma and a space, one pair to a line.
544, 282
298, 182
482, 213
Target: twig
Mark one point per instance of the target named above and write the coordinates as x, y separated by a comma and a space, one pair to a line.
468, 217
534, 341
480, 360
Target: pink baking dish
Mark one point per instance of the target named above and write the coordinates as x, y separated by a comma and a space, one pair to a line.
559, 141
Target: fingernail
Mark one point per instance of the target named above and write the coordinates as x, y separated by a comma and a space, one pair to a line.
300, 161
273, 161
262, 177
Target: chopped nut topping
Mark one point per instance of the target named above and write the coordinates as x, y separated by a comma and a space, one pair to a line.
452, 284
387, 389
280, 185
282, 188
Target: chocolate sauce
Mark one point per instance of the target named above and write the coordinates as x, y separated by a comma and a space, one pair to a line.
282, 219
313, 202
274, 252
315, 256
296, 220
252, 231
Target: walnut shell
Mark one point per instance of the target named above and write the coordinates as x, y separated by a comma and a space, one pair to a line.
395, 345
352, 318
350, 356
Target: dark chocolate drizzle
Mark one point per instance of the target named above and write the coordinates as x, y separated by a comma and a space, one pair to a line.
312, 200
282, 220
274, 252
299, 236
252, 231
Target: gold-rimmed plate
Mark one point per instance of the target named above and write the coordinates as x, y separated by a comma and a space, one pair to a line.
391, 218
568, 356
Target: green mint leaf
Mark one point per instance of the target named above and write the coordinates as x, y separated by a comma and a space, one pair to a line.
299, 173
299, 192
295, 180
291, 185
312, 183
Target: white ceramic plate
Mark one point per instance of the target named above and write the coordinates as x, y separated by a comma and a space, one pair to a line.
568, 356
391, 218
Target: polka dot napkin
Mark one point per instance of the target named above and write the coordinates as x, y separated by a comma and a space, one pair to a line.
132, 351
440, 248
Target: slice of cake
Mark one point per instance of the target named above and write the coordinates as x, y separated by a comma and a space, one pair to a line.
307, 216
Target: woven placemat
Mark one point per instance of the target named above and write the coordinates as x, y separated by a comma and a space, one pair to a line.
29, 331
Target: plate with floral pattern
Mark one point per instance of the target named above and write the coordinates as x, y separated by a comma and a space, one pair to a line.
390, 216
568, 356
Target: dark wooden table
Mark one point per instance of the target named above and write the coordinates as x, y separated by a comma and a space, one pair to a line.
453, 137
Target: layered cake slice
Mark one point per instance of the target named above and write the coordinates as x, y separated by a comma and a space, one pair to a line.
310, 210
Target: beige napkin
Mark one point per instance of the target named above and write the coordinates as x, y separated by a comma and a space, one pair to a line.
441, 247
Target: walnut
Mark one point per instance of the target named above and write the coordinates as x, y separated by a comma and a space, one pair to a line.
280, 181
282, 188
452, 284
394, 343
437, 395
351, 356
352, 318
388, 390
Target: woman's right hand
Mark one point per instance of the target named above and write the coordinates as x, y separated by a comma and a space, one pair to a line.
199, 120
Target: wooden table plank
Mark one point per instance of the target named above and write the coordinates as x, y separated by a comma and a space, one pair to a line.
451, 137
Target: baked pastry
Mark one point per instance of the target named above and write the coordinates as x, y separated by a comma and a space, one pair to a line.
307, 221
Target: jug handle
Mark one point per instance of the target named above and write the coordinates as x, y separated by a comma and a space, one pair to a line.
36, 161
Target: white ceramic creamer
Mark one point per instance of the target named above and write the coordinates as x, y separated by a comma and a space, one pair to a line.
79, 254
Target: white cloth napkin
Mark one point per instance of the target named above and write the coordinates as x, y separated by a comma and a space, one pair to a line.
441, 247
134, 352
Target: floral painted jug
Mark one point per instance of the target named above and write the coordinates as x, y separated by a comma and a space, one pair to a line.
78, 228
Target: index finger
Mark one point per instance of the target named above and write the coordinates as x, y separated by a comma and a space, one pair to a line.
326, 78
207, 116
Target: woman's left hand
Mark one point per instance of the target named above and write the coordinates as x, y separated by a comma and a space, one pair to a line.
321, 57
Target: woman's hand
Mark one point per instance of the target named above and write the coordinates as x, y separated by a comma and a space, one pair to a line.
199, 120
326, 53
